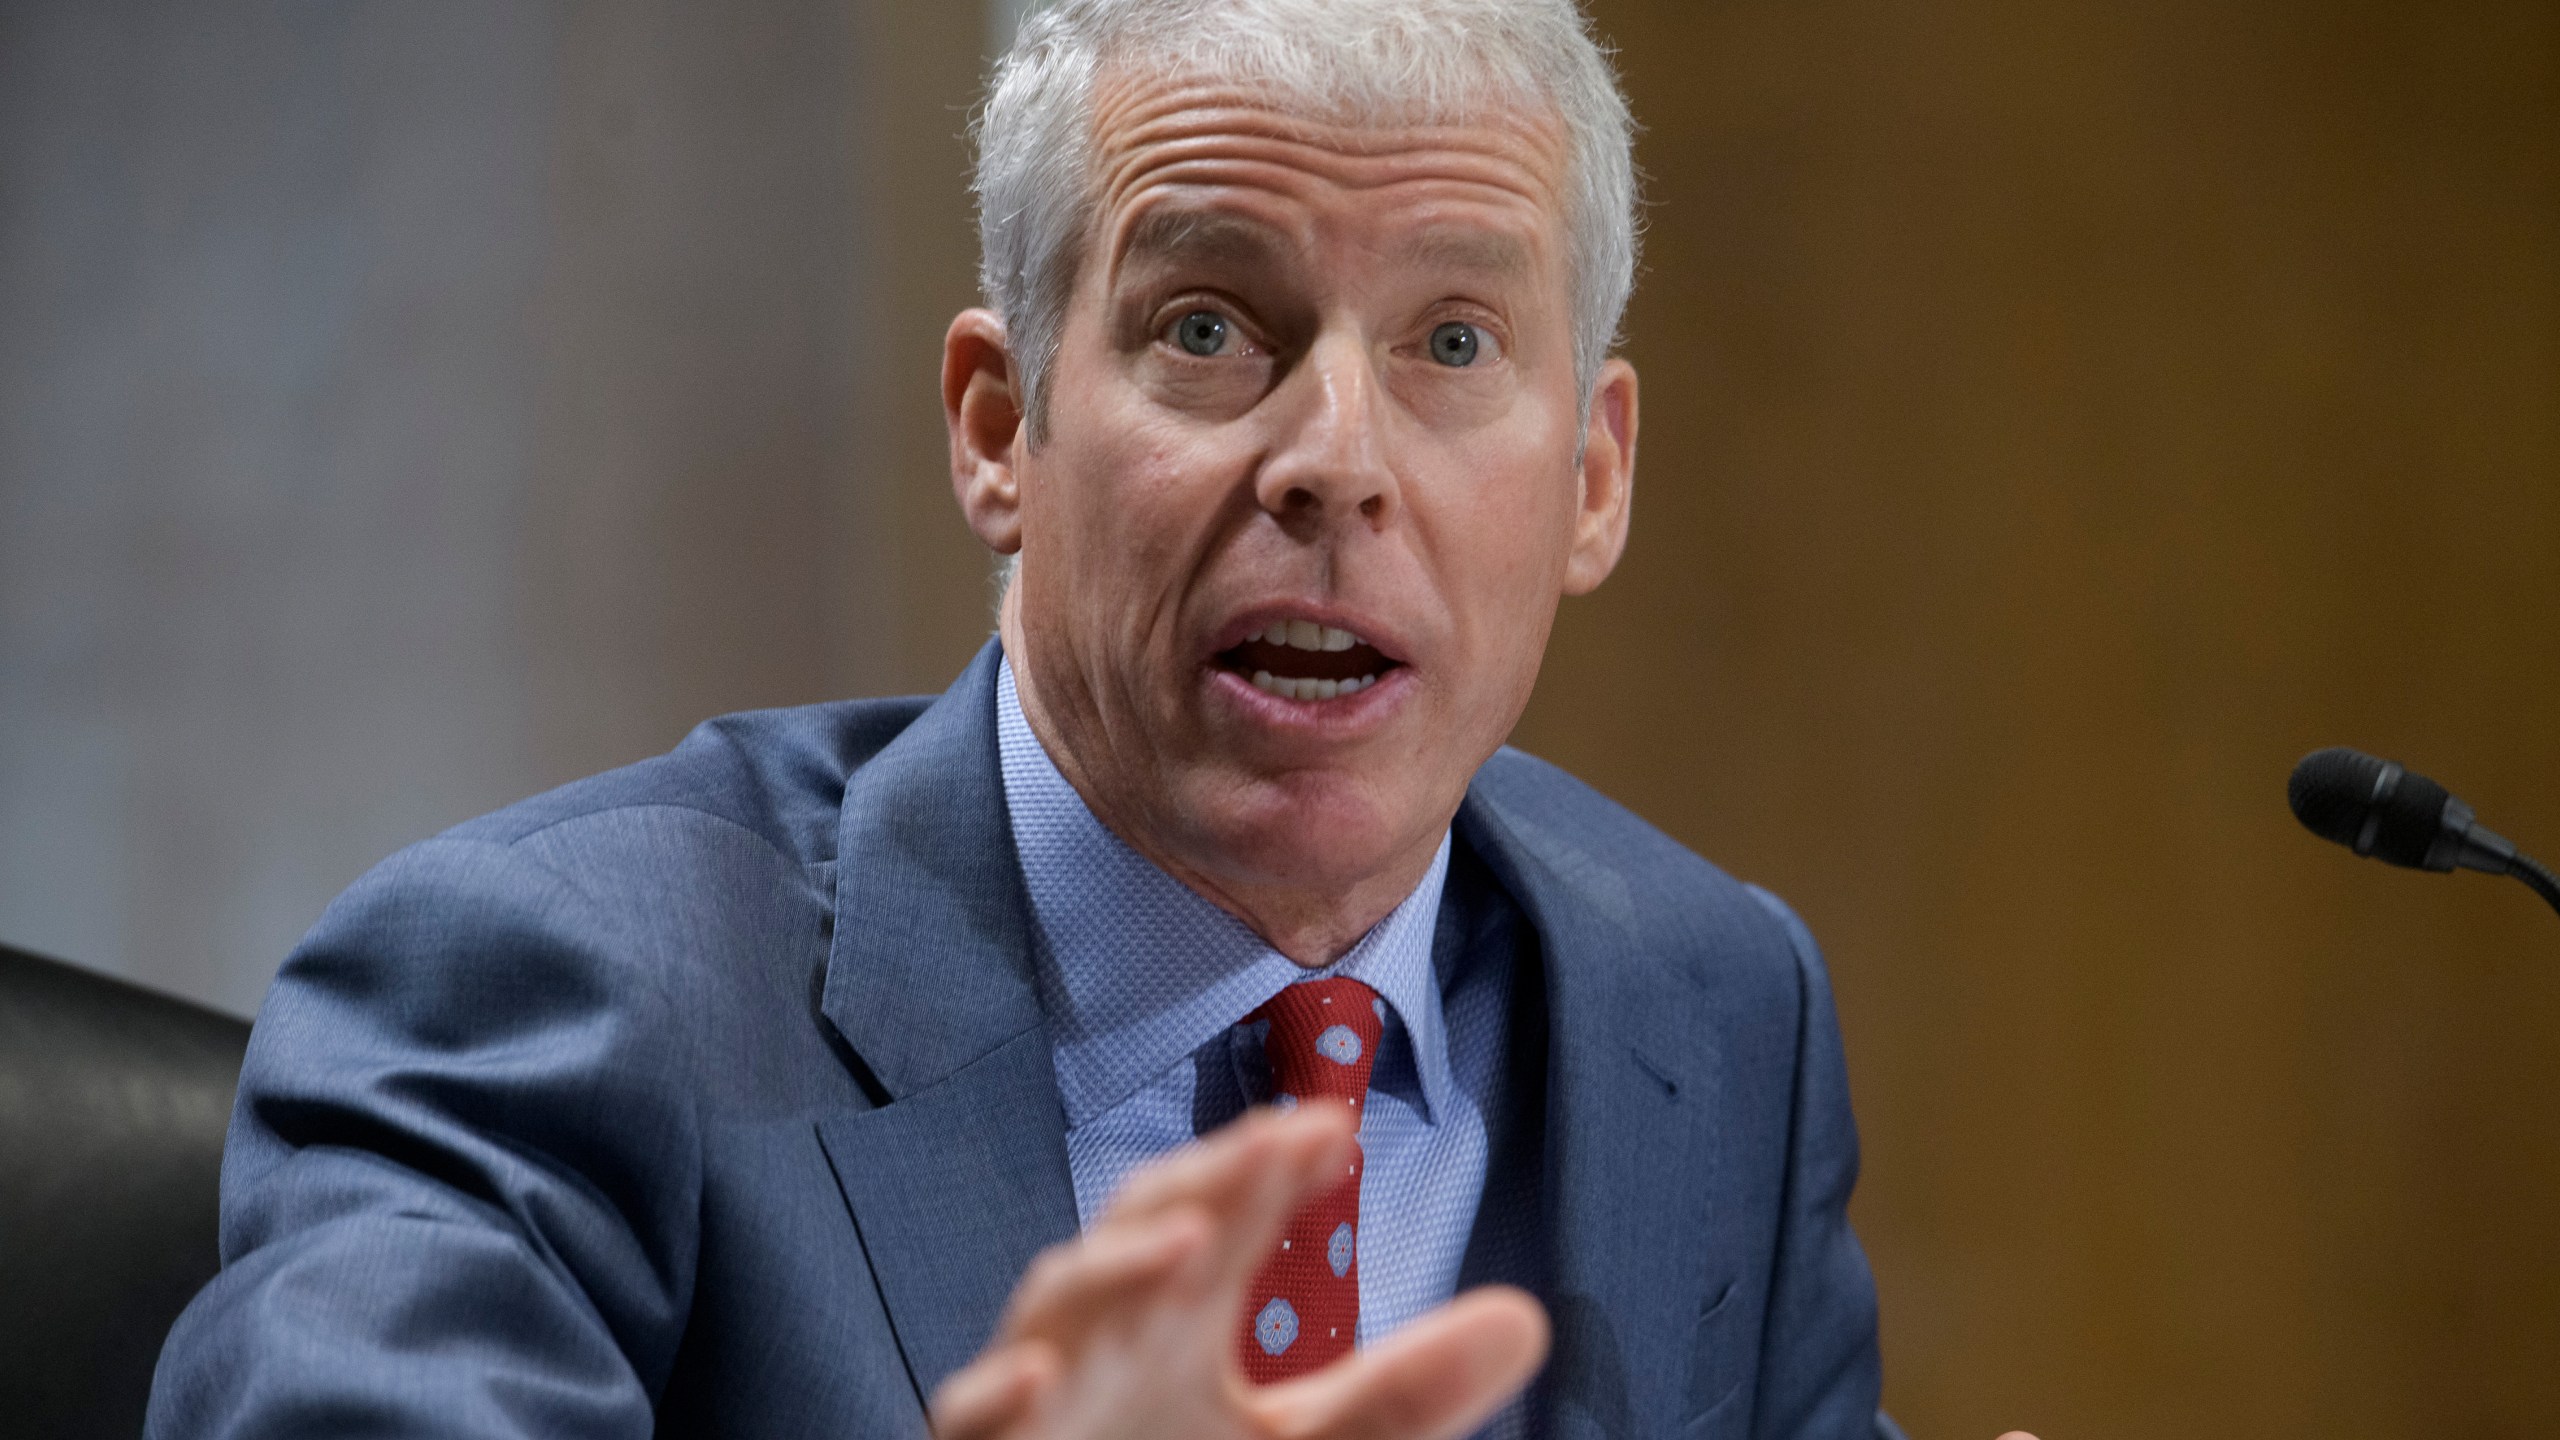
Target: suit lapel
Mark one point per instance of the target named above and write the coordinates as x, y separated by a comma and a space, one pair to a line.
1629, 1143
960, 1177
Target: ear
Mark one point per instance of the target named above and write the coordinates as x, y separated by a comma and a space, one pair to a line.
1608, 480
984, 414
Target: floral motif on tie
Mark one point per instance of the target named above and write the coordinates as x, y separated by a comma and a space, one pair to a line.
1304, 1308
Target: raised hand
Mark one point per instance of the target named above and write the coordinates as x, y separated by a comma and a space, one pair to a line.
1130, 1331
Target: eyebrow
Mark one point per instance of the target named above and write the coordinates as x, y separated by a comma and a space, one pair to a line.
1208, 238
1484, 251
1162, 236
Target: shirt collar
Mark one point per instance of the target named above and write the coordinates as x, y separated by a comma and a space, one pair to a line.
1137, 971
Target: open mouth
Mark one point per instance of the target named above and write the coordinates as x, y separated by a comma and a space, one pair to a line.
1301, 660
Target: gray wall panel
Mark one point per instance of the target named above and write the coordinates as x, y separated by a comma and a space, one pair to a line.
404, 408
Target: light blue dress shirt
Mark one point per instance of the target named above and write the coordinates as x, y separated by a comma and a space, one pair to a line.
1145, 984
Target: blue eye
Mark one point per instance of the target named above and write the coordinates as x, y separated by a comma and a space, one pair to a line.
1455, 344
1202, 332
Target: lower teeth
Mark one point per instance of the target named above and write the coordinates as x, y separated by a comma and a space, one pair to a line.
1293, 689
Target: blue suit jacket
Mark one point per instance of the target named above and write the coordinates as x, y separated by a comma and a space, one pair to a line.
712, 1096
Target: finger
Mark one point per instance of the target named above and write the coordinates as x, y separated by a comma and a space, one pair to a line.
1311, 1156
1442, 1376
993, 1393
1248, 1191
1078, 1284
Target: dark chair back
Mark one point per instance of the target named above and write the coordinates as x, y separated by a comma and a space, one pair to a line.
113, 1102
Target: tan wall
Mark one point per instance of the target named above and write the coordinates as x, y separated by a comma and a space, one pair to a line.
2058, 419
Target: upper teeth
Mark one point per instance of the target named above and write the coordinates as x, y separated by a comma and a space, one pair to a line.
1308, 635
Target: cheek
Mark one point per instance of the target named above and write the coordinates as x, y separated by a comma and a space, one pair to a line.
1500, 557
1100, 473
1504, 529
1121, 511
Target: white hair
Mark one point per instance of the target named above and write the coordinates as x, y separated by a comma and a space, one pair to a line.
1363, 61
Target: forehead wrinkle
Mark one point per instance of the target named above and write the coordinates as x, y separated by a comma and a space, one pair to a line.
1159, 204
1359, 157
1142, 124
1133, 95
1182, 147
1227, 157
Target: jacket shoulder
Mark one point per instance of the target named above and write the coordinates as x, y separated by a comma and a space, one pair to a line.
1678, 903
695, 881
779, 774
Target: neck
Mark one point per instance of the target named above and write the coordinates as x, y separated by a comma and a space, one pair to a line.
1312, 928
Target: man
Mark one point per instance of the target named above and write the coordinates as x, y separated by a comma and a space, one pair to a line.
850, 1060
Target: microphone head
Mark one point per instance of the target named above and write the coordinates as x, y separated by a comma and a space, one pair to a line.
2332, 792
2371, 806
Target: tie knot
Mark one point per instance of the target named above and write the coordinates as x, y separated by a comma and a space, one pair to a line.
1324, 1036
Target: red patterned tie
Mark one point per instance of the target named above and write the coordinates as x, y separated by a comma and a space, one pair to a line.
1304, 1307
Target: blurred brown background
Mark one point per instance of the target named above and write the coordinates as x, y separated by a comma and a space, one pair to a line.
2059, 418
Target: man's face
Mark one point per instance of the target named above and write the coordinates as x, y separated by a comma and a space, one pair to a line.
1310, 484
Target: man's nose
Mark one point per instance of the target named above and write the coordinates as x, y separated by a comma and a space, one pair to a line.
1330, 462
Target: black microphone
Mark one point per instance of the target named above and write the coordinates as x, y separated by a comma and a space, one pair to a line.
2377, 808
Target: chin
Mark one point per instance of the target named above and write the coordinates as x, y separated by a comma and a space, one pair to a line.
1319, 831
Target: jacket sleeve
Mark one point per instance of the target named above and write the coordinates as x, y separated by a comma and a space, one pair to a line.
1821, 1372
459, 1192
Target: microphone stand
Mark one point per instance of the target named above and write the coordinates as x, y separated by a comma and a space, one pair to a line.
2538, 875
2462, 842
